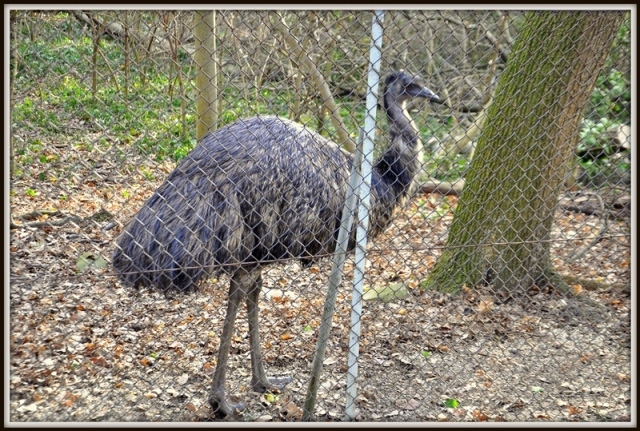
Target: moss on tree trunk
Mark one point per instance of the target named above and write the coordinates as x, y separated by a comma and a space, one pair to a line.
505, 213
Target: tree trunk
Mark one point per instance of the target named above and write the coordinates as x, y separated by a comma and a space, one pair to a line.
206, 61
505, 213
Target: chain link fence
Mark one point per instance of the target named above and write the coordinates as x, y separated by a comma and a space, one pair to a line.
109, 188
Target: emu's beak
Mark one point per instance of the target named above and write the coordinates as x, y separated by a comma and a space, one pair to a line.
430, 96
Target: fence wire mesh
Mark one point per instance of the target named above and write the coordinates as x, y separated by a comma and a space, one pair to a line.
110, 189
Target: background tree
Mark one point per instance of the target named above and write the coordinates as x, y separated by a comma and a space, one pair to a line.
206, 59
505, 213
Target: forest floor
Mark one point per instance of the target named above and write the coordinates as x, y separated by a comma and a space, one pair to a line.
84, 348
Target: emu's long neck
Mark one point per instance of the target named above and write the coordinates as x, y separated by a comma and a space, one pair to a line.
400, 163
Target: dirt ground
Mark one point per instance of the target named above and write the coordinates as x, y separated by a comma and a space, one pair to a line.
84, 348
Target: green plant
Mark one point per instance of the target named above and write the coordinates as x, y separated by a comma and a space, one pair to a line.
597, 155
591, 137
611, 96
452, 403
52, 91
610, 107
447, 167
146, 172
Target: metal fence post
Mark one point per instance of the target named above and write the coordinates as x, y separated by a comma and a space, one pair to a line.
363, 210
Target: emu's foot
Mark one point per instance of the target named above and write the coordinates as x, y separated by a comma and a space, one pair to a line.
273, 384
223, 406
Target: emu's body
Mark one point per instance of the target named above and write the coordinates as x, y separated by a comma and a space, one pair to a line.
255, 191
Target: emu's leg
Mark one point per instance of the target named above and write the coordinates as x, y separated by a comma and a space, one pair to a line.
259, 381
217, 397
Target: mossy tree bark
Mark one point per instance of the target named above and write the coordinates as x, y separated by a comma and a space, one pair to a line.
505, 213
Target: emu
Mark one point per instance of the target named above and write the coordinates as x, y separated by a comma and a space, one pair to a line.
256, 191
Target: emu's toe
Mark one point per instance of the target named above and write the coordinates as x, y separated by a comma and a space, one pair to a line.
273, 384
223, 406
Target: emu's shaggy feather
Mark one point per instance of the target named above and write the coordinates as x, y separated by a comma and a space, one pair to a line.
257, 190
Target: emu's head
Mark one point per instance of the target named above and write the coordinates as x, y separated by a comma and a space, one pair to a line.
400, 87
